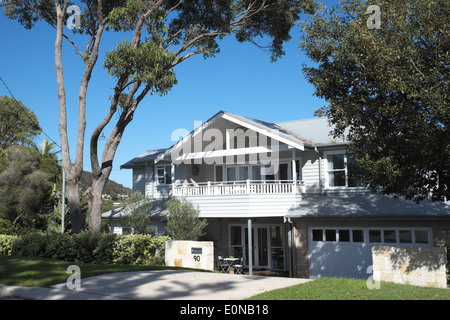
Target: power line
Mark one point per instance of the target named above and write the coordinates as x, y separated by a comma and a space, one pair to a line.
7, 88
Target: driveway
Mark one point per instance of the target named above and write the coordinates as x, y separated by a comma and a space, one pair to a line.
161, 285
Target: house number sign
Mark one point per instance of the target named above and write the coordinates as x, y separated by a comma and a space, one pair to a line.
196, 252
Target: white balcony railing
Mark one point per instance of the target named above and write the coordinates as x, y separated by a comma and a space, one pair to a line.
237, 187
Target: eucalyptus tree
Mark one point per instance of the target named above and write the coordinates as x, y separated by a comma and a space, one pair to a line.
165, 33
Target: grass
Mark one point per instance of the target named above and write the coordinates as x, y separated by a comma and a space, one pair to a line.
352, 289
42, 272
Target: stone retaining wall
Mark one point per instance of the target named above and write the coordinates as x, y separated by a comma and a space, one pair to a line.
420, 266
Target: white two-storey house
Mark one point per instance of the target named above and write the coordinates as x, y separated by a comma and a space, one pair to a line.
288, 185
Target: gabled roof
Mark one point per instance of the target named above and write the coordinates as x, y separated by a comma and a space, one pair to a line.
297, 134
269, 129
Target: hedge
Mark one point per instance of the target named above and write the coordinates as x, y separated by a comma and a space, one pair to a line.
88, 248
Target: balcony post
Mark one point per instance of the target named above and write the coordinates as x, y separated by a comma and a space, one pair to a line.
248, 186
172, 177
294, 172
250, 248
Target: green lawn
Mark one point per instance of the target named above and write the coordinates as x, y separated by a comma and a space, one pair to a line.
352, 289
41, 272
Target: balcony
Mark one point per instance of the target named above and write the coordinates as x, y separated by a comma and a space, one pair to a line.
238, 188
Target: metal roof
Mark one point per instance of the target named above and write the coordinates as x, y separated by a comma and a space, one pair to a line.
367, 206
147, 156
314, 131
158, 210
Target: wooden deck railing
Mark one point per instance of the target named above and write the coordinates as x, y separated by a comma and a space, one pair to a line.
236, 187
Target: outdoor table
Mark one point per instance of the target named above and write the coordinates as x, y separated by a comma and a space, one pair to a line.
230, 262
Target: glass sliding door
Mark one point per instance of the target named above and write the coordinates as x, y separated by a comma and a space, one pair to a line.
276, 247
263, 247
267, 247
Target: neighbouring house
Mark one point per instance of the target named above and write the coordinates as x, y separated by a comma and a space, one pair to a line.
289, 184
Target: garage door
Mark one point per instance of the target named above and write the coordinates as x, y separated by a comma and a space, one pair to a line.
346, 252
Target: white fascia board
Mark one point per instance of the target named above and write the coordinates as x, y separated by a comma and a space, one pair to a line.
267, 133
222, 153
188, 137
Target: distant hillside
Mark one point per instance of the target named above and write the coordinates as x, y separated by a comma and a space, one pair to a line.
112, 188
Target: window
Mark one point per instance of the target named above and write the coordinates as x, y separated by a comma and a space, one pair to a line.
336, 170
374, 235
317, 235
344, 235
236, 241
330, 235
405, 236
390, 236
341, 235
340, 170
358, 235
163, 174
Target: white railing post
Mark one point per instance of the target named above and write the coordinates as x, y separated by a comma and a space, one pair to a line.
248, 186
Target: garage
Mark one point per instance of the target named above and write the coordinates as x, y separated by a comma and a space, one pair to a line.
346, 252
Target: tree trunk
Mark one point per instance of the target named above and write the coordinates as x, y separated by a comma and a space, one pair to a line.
75, 206
94, 195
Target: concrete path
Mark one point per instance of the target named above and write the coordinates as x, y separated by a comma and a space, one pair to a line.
160, 285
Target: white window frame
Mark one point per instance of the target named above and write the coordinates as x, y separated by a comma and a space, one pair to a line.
367, 241
166, 175
345, 170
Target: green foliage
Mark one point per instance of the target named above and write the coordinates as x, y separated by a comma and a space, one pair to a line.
139, 249
88, 248
111, 187
138, 215
6, 242
25, 190
18, 124
148, 63
183, 221
388, 90
6, 226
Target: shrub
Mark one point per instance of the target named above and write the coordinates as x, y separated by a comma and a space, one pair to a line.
6, 242
88, 248
183, 220
30, 245
139, 249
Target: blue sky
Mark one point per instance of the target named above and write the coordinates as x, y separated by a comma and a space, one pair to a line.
240, 79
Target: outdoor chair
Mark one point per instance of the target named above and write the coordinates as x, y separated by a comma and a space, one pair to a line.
238, 267
222, 265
